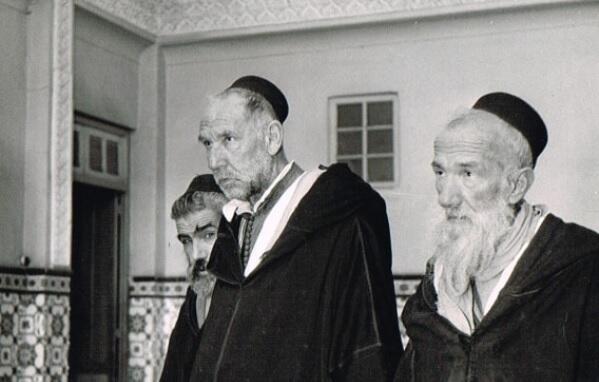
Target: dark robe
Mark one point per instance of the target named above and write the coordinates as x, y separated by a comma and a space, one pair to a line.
183, 342
544, 325
320, 306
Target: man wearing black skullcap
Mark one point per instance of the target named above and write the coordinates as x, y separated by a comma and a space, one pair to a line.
511, 292
304, 290
196, 214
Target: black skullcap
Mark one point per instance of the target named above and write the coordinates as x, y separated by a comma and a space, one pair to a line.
520, 115
203, 183
268, 90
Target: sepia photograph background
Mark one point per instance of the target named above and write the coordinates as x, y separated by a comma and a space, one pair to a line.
100, 104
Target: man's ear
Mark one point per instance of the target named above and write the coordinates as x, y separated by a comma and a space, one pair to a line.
520, 182
274, 137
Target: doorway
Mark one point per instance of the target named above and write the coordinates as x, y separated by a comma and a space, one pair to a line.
97, 319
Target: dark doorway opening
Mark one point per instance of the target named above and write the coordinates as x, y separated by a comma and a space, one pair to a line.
97, 318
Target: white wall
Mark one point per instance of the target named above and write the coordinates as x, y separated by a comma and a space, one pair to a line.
548, 56
147, 215
106, 65
12, 129
116, 77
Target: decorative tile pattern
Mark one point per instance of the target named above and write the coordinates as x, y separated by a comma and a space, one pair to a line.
34, 327
153, 309
172, 17
158, 289
35, 283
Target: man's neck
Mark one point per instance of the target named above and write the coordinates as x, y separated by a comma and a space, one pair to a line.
278, 166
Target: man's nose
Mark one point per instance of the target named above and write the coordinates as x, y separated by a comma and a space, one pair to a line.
216, 158
450, 195
195, 251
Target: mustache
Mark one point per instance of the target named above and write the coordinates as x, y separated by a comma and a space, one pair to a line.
196, 270
224, 174
458, 214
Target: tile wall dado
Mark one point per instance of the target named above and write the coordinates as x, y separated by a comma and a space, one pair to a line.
153, 308
34, 326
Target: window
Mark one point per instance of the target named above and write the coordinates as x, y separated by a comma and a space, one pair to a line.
363, 135
99, 153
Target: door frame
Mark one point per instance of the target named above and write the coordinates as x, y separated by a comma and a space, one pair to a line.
122, 231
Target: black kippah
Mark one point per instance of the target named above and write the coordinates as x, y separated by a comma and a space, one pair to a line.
203, 183
519, 115
268, 90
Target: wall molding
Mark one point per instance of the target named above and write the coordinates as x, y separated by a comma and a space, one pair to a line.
178, 21
158, 287
35, 283
17, 5
61, 134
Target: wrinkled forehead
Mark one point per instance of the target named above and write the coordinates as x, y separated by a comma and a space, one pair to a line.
201, 218
474, 135
224, 107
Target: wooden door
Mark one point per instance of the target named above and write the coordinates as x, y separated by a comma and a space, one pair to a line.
95, 316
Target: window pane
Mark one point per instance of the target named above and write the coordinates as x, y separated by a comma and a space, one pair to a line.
380, 113
349, 143
380, 169
75, 148
355, 165
112, 157
349, 115
95, 153
380, 141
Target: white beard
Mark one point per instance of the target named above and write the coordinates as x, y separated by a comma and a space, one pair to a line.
465, 247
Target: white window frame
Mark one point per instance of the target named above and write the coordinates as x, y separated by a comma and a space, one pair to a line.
83, 173
364, 99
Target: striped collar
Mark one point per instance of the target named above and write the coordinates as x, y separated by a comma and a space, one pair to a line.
238, 207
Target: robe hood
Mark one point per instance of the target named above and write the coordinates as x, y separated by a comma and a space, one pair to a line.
336, 194
551, 252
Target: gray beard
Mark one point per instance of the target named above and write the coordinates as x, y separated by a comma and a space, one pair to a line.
466, 248
196, 275
202, 285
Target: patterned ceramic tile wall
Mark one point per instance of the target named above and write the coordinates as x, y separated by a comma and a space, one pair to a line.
153, 309
34, 324
34, 327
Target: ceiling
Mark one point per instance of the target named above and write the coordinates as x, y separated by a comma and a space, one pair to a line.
175, 21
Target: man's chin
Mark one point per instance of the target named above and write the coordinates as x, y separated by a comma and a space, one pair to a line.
234, 190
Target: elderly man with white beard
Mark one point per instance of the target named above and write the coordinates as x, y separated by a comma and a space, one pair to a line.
511, 292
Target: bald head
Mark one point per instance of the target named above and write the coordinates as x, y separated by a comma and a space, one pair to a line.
241, 104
